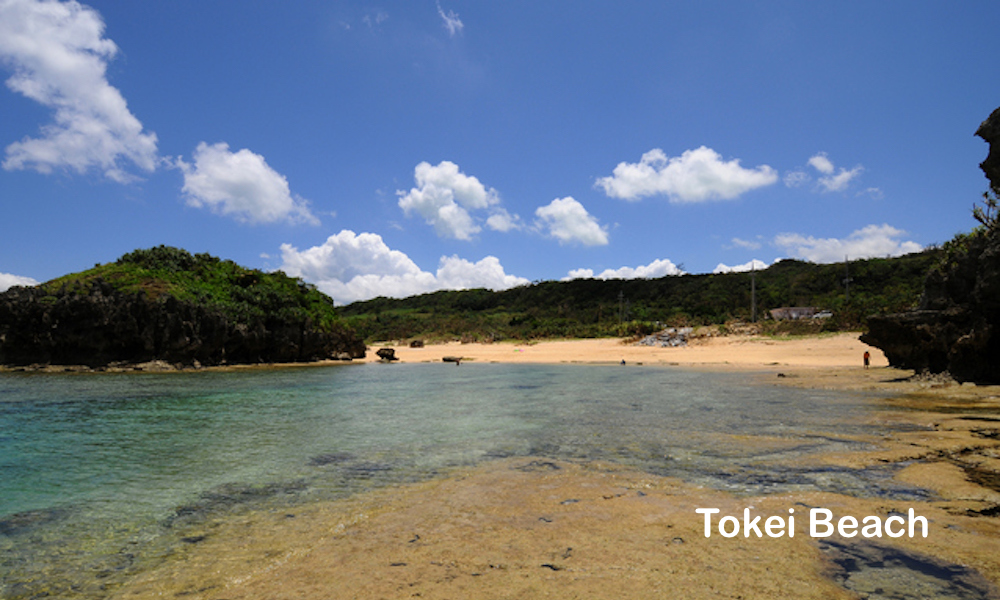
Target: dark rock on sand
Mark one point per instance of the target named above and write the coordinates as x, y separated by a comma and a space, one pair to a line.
386, 354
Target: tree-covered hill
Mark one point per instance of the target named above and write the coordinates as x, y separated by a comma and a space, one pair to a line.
240, 293
166, 304
595, 308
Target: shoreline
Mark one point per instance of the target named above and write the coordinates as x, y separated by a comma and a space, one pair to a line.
735, 352
531, 526
534, 525
740, 351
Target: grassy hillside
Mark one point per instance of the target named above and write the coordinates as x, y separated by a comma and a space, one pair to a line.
596, 308
243, 295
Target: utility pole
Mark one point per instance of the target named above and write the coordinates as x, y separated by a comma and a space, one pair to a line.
847, 281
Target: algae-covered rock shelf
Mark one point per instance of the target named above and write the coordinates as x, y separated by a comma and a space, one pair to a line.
165, 304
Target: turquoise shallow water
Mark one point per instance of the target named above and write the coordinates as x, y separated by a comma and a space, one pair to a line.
98, 473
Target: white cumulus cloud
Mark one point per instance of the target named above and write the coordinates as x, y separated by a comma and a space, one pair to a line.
8, 281
694, 176
568, 221
452, 23
830, 181
58, 53
503, 221
753, 265
821, 163
351, 267
456, 273
840, 181
444, 196
868, 242
241, 185
660, 267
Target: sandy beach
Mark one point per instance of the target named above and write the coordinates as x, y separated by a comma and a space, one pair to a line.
722, 352
531, 527
842, 350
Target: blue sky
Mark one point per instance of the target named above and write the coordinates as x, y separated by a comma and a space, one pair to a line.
392, 148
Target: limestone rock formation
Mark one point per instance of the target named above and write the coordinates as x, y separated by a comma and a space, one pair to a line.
956, 327
989, 130
106, 325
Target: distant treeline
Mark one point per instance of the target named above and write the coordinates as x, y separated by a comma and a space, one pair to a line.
598, 308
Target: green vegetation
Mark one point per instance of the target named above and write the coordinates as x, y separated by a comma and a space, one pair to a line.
960, 247
595, 308
987, 214
243, 295
582, 308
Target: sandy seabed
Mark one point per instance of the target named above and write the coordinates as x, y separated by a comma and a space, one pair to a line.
532, 527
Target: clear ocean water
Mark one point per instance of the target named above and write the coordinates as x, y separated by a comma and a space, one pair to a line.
97, 469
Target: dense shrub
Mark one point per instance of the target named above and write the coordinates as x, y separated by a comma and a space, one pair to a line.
243, 295
595, 308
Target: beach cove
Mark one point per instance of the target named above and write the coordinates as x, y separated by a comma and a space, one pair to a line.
572, 480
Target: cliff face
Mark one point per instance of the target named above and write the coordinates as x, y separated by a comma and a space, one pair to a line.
956, 328
989, 130
106, 326
97, 323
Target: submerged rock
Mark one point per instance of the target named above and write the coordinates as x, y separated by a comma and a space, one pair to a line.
874, 571
330, 458
25, 522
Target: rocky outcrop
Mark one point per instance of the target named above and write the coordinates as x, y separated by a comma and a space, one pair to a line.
989, 130
103, 326
386, 354
956, 327
956, 324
